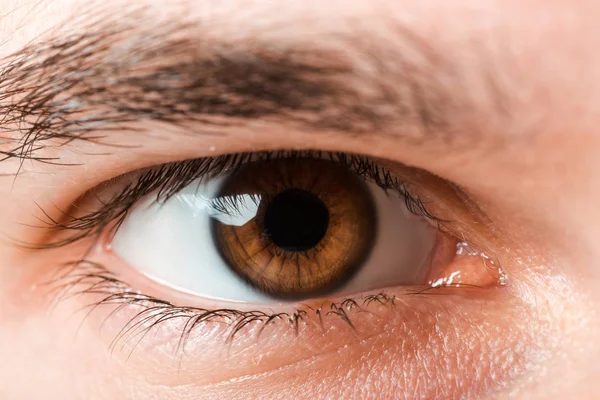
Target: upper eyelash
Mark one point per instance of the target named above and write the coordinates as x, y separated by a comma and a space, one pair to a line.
168, 179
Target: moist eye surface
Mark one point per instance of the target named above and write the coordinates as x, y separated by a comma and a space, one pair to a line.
267, 227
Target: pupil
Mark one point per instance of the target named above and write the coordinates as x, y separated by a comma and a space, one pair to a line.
296, 220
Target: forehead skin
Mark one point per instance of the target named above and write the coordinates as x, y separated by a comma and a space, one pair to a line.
531, 70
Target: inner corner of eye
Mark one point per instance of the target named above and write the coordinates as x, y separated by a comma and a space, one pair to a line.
468, 267
287, 229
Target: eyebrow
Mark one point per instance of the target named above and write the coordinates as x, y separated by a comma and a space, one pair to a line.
110, 76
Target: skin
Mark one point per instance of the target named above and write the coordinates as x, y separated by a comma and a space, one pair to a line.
528, 165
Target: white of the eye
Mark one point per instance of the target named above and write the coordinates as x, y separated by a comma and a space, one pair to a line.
172, 243
404, 242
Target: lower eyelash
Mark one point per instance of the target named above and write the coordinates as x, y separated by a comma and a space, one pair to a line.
84, 277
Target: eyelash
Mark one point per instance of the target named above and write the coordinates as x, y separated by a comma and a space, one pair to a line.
86, 277
168, 179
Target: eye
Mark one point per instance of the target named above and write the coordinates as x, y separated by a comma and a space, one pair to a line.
284, 227
312, 251
288, 228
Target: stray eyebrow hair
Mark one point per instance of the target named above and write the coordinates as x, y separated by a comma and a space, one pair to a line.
110, 76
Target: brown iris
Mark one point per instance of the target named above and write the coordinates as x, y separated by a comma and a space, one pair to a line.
313, 227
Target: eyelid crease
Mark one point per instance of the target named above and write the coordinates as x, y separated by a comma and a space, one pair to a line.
168, 179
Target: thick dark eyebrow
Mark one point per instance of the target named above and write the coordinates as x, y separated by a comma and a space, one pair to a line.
111, 76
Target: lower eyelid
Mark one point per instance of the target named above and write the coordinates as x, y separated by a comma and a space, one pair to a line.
427, 329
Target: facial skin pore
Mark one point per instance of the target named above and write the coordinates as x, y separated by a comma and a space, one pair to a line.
497, 97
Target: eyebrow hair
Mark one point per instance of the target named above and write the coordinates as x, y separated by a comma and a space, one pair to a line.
112, 75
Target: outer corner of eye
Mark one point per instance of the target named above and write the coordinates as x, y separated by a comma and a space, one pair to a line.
286, 229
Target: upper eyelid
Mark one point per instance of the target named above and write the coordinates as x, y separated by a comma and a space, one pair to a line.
168, 179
